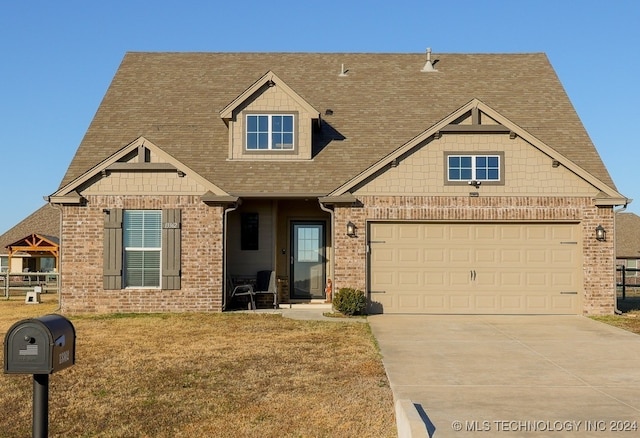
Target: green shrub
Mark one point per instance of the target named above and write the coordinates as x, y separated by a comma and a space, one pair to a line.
349, 301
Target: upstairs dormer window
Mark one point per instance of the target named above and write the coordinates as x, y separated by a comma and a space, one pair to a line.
270, 132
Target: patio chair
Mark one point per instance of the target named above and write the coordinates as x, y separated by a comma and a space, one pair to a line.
241, 290
266, 284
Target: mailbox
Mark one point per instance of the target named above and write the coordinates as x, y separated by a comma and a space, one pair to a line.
40, 345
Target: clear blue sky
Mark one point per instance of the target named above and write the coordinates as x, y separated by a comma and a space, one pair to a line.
58, 57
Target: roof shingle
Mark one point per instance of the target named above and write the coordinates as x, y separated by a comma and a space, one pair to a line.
174, 100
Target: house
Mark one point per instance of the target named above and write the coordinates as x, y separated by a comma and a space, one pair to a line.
628, 246
437, 183
32, 245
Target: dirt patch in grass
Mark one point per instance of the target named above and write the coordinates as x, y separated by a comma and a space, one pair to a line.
223, 375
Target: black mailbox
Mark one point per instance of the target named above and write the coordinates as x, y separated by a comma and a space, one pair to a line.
40, 345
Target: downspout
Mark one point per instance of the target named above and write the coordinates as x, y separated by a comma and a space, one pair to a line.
621, 209
59, 266
333, 245
224, 254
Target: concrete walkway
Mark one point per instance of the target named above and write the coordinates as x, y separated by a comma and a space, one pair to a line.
488, 376
309, 312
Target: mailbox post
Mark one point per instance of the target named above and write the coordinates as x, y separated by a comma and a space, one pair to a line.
40, 346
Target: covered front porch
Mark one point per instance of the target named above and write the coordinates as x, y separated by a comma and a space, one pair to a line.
291, 237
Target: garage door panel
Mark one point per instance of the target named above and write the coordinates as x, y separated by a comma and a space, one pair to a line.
536, 256
410, 302
485, 303
410, 255
476, 268
435, 279
563, 279
410, 232
563, 302
382, 255
509, 304
410, 280
434, 255
459, 255
436, 301
461, 303
536, 303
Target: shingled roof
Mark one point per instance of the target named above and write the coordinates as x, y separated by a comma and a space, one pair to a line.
627, 236
44, 221
174, 100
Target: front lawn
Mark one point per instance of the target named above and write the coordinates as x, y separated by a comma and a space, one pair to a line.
205, 375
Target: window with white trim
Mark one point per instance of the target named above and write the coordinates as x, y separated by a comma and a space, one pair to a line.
474, 168
273, 132
142, 237
4, 263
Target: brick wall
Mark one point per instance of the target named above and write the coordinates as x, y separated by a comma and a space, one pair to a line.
598, 260
82, 253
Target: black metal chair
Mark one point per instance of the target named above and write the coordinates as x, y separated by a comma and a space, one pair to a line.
266, 284
241, 290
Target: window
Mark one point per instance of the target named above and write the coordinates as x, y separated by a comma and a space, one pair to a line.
133, 246
4, 263
249, 226
474, 168
142, 238
270, 132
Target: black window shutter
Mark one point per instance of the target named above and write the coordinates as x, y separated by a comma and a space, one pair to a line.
171, 248
112, 259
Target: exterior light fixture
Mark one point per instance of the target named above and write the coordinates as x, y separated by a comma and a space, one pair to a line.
351, 229
601, 233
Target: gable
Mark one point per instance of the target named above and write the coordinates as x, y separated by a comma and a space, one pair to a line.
530, 167
527, 171
139, 168
270, 95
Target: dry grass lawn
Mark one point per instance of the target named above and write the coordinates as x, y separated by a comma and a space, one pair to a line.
206, 375
630, 318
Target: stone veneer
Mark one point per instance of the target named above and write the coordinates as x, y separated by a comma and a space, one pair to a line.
82, 265
598, 260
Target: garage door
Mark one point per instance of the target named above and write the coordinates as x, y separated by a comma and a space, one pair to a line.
477, 268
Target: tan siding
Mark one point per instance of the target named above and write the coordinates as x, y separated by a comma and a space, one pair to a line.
272, 100
248, 263
132, 183
527, 170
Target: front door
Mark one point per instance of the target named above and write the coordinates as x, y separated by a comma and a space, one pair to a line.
307, 259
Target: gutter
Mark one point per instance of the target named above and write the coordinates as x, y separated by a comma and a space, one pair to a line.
333, 245
60, 247
224, 253
615, 211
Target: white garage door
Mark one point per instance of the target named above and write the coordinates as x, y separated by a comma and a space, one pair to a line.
505, 268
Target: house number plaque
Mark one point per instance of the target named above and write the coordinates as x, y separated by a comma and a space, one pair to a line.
171, 225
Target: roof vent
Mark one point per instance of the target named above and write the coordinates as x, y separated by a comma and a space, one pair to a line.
343, 72
428, 66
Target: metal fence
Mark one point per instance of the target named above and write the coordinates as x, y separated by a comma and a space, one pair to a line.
627, 278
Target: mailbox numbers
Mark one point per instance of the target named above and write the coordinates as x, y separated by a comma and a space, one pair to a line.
64, 357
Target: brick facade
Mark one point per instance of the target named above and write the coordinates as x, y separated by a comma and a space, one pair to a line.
82, 258
598, 261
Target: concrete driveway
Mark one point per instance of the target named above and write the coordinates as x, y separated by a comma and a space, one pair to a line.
462, 376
